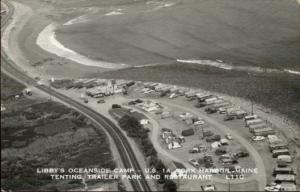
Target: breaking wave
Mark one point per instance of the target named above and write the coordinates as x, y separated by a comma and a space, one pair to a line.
220, 64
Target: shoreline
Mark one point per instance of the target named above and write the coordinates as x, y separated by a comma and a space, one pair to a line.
46, 40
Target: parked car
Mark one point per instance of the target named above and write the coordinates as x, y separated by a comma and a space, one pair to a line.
228, 117
191, 98
194, 150
101, 101
208, 188
241, 154
148, 91
272, 187
220, 151
138, 101
194, 162
115, 106
173, 95
131, 103
213, 138
199, 105
199, 122
228, 136
258, 138
158, 112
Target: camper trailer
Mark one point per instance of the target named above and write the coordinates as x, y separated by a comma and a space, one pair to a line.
284, 159
285, 178
283, 170
250, 117
253, 122
277, 152
256, 126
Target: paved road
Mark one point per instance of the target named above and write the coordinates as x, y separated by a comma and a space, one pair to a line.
127, 155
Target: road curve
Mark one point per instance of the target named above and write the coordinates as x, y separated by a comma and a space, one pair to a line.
126, 153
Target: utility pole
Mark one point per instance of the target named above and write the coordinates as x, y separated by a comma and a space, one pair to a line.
252, 112
228, 185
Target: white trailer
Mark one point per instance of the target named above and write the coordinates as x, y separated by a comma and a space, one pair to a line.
210, 101
250, 117
254, 121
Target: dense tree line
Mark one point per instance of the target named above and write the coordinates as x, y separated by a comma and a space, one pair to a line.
135, 130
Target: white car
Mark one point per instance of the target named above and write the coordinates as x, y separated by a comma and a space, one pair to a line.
194, 162
149, 91
272, 187
258, 138
185, 115
173, 95
144, 90
208, 188
199, 123
229, 136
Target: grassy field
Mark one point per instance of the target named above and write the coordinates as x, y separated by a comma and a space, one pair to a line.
279, 92
43, 134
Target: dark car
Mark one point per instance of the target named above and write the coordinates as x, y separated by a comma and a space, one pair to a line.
191, 98
199, 105
138, 101
220, 151
132, 103
213, 138
211, 110
101, 101
228, 117
115, 106
241, 154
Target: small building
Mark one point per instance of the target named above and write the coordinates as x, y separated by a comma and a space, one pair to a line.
174, 145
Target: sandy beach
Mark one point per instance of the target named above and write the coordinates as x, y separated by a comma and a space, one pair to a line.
47, 41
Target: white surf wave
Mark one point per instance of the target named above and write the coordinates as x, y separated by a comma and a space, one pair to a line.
207, 62
80, 19
292, 71
47, 41
220, 64
114, 13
